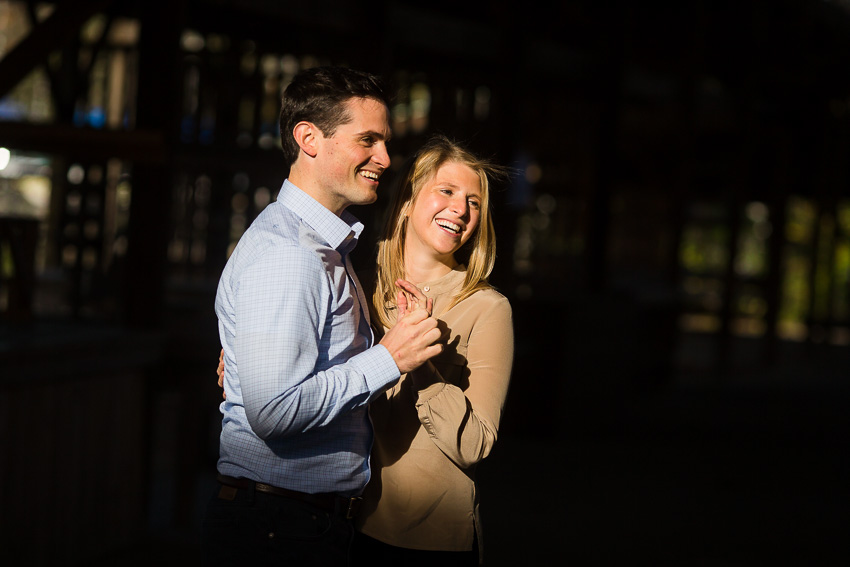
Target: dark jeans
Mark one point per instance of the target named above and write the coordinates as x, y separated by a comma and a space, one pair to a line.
255, 528
369, 552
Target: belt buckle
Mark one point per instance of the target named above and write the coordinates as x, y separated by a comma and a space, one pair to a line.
353, 507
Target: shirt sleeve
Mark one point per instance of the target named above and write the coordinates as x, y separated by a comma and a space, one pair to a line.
464, 424
282, 303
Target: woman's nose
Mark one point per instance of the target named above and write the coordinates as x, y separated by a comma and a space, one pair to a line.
460, 207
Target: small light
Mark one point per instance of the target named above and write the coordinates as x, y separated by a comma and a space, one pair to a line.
5, 157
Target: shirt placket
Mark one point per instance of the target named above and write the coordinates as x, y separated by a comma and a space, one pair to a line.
364, 324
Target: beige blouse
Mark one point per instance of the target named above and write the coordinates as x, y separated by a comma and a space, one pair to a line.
422, 493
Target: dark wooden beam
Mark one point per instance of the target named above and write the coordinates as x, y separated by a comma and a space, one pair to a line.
138, 146
46, 37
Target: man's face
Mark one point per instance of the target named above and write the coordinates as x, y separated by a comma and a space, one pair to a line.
353, 159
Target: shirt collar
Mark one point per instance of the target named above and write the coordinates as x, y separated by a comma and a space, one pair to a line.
335, 230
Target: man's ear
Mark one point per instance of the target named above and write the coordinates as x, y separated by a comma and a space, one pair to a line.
306, 136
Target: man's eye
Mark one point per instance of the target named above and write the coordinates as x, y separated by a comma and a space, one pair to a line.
368, 141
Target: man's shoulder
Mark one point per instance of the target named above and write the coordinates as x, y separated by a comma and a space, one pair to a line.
275, 227
274, 237
279, 221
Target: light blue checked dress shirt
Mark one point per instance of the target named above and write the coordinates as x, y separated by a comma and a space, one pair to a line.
300, 361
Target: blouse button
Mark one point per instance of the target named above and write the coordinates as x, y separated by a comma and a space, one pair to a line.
426, 288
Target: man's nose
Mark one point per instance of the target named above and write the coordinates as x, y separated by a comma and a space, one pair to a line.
381, 157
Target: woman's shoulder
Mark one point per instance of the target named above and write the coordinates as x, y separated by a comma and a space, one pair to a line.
487, 300
491, 294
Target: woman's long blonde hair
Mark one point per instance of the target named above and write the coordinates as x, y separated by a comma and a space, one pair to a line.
479, 252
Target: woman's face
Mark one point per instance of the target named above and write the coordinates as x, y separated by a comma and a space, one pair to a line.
446, 212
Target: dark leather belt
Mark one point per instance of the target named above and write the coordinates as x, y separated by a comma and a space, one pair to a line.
328, 502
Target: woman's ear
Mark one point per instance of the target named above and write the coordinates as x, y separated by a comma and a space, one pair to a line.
305, 134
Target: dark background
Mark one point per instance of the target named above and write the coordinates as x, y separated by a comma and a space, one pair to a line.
667, 405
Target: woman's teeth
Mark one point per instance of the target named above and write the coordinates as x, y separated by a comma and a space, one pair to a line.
449, 226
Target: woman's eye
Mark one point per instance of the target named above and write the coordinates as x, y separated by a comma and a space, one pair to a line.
474, 204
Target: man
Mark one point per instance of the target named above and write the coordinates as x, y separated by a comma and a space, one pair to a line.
300, 359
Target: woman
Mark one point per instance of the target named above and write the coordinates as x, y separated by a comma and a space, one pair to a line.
434, 426
439, 421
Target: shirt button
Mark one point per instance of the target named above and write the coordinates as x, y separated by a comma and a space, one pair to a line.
426, 288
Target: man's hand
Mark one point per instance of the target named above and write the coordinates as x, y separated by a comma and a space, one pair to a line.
414, 338
220, 372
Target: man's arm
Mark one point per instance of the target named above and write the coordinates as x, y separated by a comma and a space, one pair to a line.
282, 303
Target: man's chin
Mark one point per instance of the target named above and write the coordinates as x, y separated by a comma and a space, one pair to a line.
367, 198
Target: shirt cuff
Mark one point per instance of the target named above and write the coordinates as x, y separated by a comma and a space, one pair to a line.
378, 368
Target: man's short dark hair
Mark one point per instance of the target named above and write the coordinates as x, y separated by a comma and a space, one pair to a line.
318, 95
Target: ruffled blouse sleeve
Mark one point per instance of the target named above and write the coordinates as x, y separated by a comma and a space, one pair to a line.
463, 419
